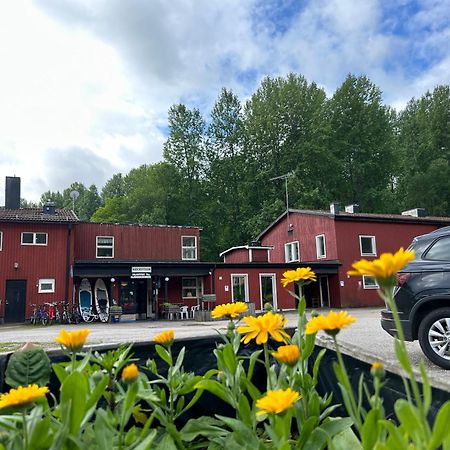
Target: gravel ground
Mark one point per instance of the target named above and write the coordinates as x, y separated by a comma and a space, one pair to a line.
365, 339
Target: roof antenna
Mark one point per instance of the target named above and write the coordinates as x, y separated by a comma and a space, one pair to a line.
285, 178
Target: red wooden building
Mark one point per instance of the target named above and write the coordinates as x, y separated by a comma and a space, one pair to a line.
46, 254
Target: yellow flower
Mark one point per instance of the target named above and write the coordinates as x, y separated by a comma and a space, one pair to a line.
287, 354
261, 327
331, 324
377, 370
22, 395
164, 338
299, 274
72, 340
277, 401
229, 310
385, 268
130, 373
377, 365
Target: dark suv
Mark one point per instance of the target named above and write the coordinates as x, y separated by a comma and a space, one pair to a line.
422, 297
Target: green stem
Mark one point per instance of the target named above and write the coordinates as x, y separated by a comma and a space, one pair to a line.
25, 431
348, 387
267, 364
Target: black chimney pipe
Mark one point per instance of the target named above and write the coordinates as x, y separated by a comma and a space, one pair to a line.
12, 193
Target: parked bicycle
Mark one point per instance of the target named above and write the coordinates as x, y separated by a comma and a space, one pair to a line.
39, 315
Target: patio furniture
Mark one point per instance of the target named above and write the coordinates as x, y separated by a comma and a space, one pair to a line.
193, 309
171, 311
184, 312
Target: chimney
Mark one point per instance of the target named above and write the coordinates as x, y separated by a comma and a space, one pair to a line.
12, 193
353, 209
416, 212
334, 208
49, 208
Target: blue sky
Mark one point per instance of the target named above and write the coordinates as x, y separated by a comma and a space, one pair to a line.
86, 84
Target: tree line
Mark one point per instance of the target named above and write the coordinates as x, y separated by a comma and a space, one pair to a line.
216, 172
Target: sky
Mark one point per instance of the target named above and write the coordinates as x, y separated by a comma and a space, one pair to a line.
85, 85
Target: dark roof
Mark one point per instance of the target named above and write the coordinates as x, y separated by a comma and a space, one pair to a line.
364, 217
37, 215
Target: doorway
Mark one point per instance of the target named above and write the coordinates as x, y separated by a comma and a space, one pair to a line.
268, 293
15, 301
324, 291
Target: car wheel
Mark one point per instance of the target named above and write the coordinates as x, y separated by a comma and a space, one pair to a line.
434, 337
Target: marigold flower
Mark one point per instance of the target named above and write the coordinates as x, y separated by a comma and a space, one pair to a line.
299, 274
385, 268
72, 340
229, 310
22, 395
130, 373
287, 354
277, 401
331, 324
164, 338
377, 370
261, 327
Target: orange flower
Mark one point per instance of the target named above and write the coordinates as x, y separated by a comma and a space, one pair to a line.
22, 395
299, 274
73, 340
261, 327
287, 354
331, 324
164, 338
277, 401
229, 310
130, 373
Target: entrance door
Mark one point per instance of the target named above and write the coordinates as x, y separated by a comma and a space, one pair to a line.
141, 298
268, 293
15, 301
324, 291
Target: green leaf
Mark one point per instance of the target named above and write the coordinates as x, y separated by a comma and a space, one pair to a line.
179, 361
426, 388
202, 426
441, 430
163, 354
217, 389
346, 440
147, 442
371, 429
409, 418
318, 439
395, 440
28, 367
73, 401
229, 358
166, 443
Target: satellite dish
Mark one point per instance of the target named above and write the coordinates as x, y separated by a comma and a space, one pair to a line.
74, 195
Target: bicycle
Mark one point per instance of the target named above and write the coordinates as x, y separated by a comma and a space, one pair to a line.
39, 315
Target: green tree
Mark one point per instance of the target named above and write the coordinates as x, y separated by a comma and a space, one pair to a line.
114, 187
55, 197
362, 143
424, 152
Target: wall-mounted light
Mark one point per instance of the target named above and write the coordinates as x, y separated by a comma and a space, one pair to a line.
112, 280
16, 265
166, 279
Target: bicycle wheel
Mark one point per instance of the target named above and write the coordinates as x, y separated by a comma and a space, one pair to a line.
44, 319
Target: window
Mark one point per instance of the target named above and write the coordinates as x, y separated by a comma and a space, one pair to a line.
320, 247
239, 285
34, 238
46, 286
189, 247
105, 247
1, 241
191, 287
367, 246
291, 252
440, 251
369, 282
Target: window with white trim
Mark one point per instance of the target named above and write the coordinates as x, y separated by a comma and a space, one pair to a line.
191, 287
369, 282
291, 251
46, 286
1, 241
189, 248
321, 250
29, 238
367, 246
105, 246
239, 284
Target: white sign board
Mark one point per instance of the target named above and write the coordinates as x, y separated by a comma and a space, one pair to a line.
141, 272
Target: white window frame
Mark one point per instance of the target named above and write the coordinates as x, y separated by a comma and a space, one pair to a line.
1, 241
374, 245
50, 281
188, 247
274, 290
324, 255
369, 286
245, 275
104, 246
290, 245
198, 288
34, 233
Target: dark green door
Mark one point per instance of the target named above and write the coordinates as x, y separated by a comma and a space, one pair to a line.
15, 301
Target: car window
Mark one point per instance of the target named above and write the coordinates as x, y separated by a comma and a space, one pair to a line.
440, 250
419, 247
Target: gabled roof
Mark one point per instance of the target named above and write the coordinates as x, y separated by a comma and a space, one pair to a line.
247, 247
37, 215
362, 217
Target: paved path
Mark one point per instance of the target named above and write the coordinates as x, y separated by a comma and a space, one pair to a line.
365, 339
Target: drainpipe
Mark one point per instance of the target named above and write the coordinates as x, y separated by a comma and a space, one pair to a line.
69, 241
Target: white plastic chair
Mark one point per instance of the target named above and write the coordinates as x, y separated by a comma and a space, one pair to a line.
184, 312
193, 309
